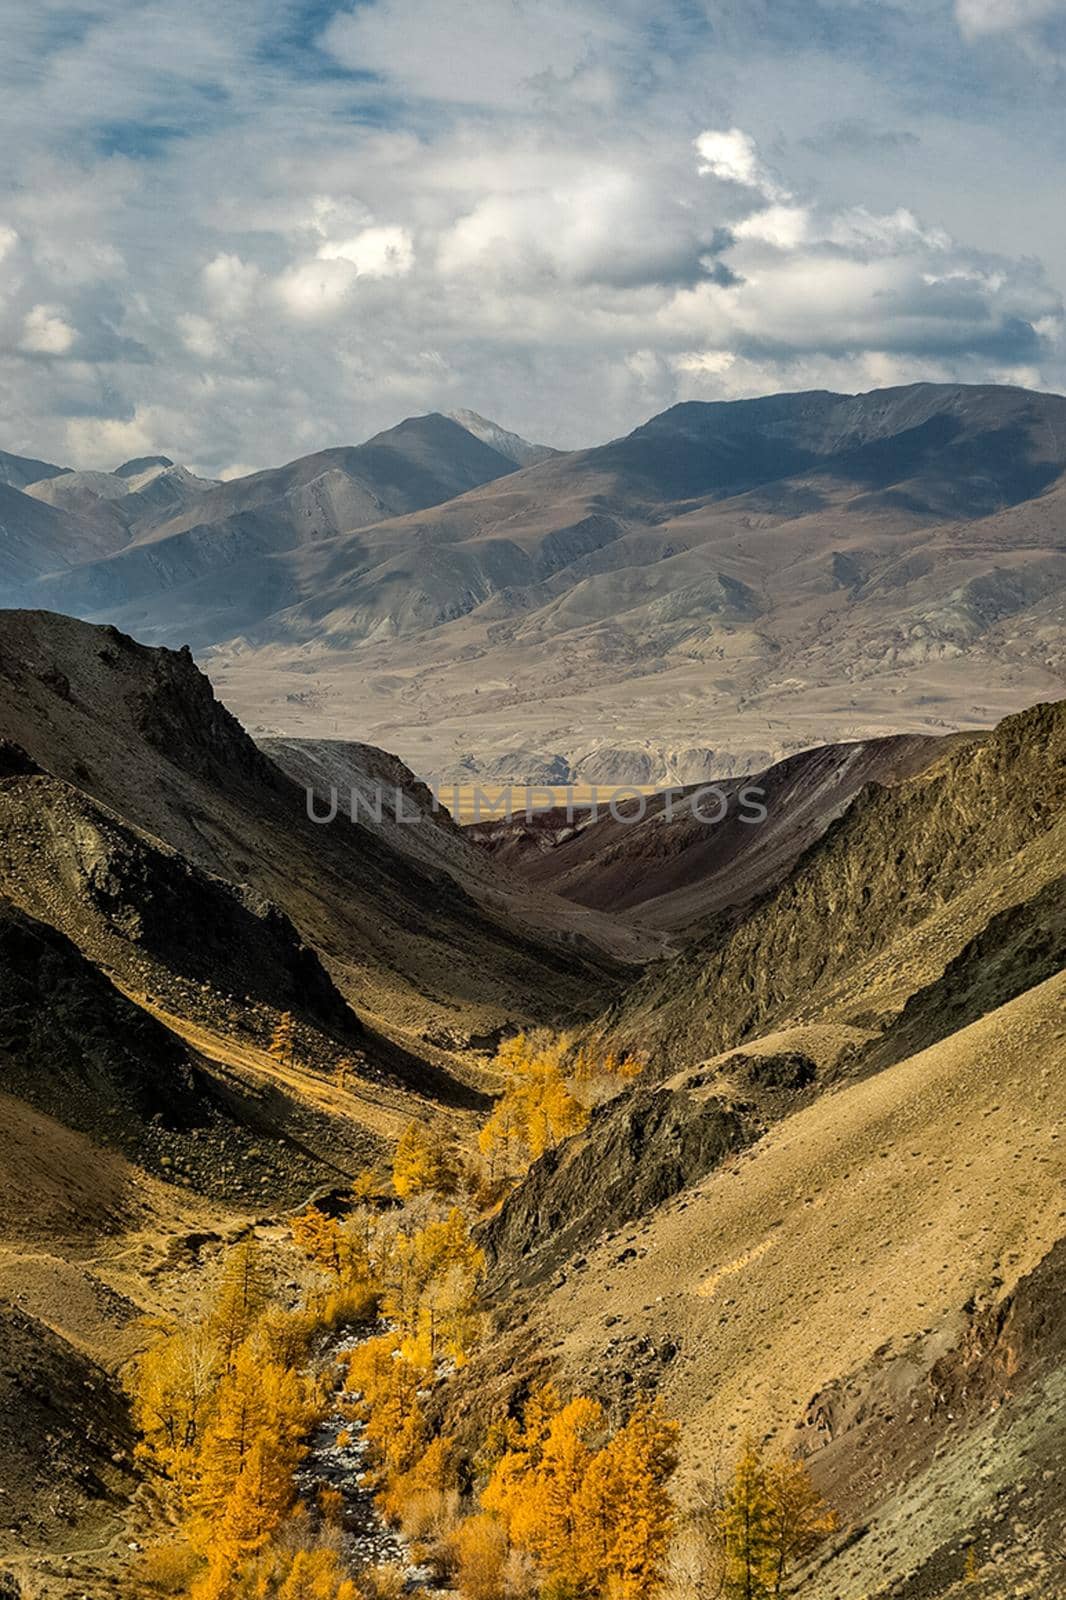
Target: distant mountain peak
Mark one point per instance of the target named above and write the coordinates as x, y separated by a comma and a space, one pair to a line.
139, 464
521, 451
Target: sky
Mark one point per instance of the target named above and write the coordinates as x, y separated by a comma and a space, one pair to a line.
237, 233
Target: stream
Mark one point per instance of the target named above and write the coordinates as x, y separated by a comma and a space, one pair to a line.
337, 1460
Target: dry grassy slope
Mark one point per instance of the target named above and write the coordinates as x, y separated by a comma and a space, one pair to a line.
877, 908
862, 1224
670, 869
141, 731
89, 1243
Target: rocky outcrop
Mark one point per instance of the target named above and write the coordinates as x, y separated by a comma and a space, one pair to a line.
636, 1152
141, 911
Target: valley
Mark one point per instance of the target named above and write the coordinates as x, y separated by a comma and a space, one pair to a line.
630, 1205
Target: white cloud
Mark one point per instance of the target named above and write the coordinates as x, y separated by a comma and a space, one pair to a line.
230, 283
785, 227
732, 154
492, 53
976, 17
381, 252
44, 332
507, 205
8, 240
316, 289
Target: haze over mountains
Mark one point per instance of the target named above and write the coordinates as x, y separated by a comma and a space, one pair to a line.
728, 584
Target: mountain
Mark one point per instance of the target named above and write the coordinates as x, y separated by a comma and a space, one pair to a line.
224, 555
826, 1214
743, 580
36, 538
675, 857
511, 445
729, 584
132, 499
139, 732
20, 471
844, 942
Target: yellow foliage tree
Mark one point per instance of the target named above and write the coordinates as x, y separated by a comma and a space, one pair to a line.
536, 1110
424, 1163
384, 1386
260, 1496
593, 1510
242, 1297
283, 1040
479, 1546
624, 1515
428, 1486
258, 1399
174, 1384
772, 1517
316, 1575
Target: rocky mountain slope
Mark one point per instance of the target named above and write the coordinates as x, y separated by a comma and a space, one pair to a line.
672, 859
202, 561
874, 1283
729, 584
845, 937
829, 1212
140, 732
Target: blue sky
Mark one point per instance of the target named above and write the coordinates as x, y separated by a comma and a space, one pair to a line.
237, 233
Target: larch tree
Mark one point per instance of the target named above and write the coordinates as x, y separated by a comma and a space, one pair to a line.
243, 1295
283, 1040
799, 1518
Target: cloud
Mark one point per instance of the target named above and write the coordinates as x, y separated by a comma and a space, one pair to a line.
46, 333
493, 53
732, 155
382, 252
785, 227
977, 17
236, 245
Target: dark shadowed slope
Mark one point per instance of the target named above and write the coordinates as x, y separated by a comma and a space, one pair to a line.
140, 731
19, 471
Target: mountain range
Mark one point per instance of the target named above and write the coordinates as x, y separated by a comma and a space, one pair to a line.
729, 584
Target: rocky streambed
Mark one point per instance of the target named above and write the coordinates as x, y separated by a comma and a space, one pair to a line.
337, 1461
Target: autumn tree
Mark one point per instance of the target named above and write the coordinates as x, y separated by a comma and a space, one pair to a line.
424, 1499
480, 1550
283, 1040
772, 1518
624, 1515
799, 1518
591, 1508
257, 1400
242, 1296
174, 1383
316, 1575
536, 1110
383, 1387
424, 1163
